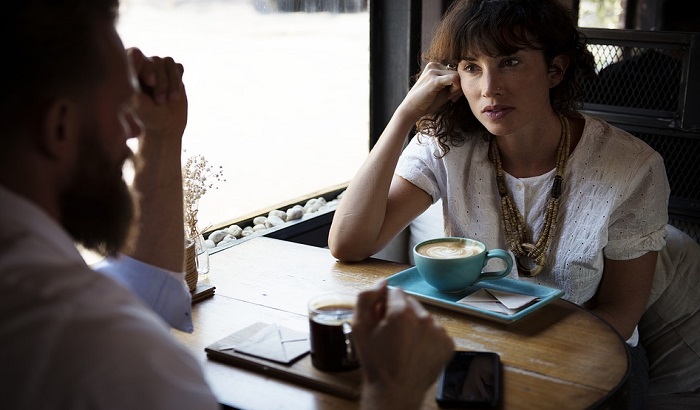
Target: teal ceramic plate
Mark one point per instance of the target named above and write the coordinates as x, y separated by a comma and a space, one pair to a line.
411, 282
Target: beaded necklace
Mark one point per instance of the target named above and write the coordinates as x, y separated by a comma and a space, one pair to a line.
531, 258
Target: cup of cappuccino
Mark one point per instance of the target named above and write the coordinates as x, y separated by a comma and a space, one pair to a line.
330, 317
452, 264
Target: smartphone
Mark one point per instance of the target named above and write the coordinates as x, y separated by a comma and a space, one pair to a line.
470, 380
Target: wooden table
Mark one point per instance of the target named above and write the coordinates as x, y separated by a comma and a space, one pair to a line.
561, 356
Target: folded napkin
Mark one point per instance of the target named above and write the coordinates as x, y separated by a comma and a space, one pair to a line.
275, 343
507, 303
201, 292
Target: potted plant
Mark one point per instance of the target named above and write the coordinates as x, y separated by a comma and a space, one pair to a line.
197, 177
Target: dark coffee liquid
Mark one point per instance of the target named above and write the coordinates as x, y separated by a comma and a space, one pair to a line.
331, 349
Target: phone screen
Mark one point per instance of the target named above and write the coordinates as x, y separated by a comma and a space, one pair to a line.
470, 379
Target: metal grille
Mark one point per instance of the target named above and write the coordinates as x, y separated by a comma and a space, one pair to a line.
642, 84
635, 77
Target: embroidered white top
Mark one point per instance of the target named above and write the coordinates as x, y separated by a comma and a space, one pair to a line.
614, 202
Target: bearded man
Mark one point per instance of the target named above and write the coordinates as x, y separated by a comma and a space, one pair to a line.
70, 337
71, 98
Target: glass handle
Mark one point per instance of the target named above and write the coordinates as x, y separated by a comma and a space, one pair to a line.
349, 351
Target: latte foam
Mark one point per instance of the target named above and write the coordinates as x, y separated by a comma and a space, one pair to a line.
449, 250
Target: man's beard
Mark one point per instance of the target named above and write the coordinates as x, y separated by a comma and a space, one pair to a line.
97, 208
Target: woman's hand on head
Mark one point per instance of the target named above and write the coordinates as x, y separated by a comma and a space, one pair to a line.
436, 86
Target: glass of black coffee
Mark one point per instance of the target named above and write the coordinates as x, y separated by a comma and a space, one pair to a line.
330, 316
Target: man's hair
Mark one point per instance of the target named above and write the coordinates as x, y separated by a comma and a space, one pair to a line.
50, 50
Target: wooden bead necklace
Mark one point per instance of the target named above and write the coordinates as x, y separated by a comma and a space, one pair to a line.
531, 258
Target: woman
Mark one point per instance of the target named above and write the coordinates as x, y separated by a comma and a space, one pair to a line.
582, 205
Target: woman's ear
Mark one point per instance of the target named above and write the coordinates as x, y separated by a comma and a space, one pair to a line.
557, 68
59, 129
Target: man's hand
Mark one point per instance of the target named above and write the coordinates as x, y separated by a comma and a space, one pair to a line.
401, 348
162, 108
162, 102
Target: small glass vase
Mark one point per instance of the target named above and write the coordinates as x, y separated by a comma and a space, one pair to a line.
202, 257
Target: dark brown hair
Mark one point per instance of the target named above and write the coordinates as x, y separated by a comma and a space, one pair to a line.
502, 27
50, 50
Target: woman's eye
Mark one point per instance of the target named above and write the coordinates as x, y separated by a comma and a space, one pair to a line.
469, 68
510, 62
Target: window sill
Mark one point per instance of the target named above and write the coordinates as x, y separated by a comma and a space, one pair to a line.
311, 229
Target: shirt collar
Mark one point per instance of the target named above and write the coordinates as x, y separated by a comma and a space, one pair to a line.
21, 217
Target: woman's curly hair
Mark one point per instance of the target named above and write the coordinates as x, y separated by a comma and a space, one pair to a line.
502, 27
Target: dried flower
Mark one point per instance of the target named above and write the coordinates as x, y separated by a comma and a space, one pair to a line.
197, 177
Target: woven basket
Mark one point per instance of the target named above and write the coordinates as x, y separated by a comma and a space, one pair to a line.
191, 274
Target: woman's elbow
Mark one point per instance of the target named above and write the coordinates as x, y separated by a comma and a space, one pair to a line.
345, 251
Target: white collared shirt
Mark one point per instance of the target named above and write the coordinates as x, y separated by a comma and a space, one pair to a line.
162, 290
72, 338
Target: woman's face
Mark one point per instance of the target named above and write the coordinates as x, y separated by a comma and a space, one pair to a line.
507, 93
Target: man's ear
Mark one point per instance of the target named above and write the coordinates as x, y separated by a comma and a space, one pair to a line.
60, 127
557, 69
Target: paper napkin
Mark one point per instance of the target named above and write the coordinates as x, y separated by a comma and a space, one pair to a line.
276, 343
498, 301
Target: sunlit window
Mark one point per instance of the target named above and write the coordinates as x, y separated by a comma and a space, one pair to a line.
602, 13
278, 92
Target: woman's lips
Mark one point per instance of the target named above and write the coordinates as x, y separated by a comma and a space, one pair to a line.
496, 113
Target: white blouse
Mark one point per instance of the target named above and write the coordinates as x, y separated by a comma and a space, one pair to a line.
614, 202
